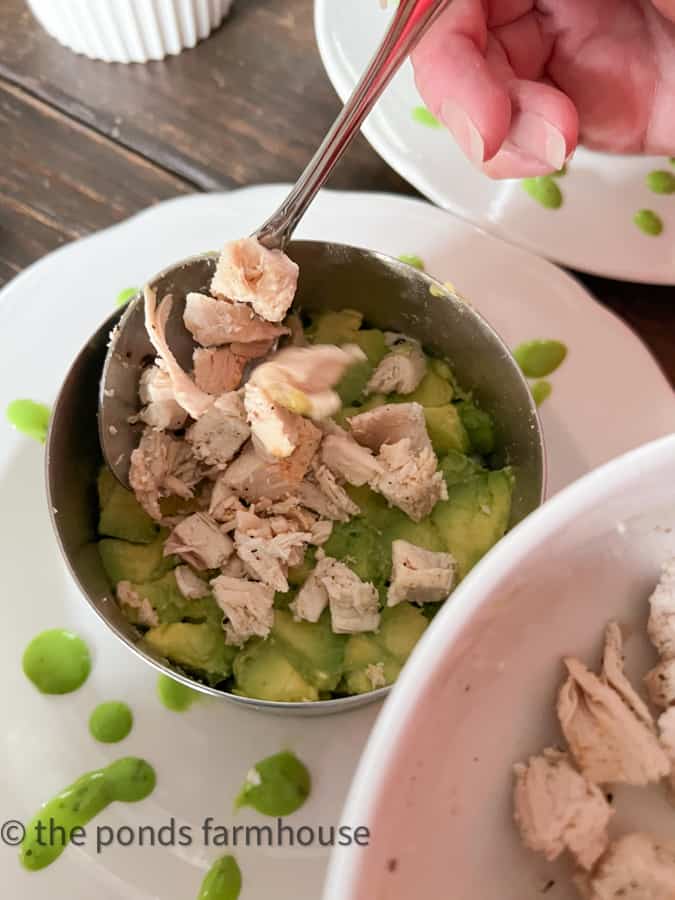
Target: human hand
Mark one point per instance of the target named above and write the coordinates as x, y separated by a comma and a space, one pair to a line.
519, 82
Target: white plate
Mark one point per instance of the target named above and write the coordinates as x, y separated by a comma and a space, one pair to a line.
596, 411
592, 232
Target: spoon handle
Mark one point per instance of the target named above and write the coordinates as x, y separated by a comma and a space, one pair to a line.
410, 21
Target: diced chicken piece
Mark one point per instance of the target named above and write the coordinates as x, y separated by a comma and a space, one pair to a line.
250, 273
224, 503
190, 584
661, 626
320, 532
349, 460
220, 432
217, 370
556, 808
248, 608
161, 410
234, 567
253, 349
410, 480
301, 379
275, 430
213, 323
199, 542
127, 596
354, 604
375, 675
187, 394
266, 556
608, 741
660, 683
253, 478
334, 492
635, 867
162, 465
312, 598
390, 424
401, 370
613, 674
418, 575
302, 519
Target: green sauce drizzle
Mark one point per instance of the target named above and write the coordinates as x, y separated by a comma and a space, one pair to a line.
222, 881
661, 182
51, 830
541, 390
422, 116
648, 222
29, 417
57, 662
540, 358
174, 695
111, 722
276, 786
544, 190
125, 296
415, 261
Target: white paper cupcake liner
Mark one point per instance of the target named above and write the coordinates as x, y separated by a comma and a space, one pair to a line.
129, 30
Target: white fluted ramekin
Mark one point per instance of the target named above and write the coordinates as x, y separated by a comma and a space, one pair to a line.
129, 30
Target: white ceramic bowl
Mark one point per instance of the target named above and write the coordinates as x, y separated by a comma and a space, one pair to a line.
129, 30
434, 784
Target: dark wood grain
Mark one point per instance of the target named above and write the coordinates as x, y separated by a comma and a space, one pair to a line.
60, 180
250, 104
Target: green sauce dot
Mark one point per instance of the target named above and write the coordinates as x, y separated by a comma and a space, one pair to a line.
29, 417
415, 261
222, 881
540, 358
648, 222
541, 390
57, 662
661, 182
174, 695
422, 116
276, 786
111, 722
544, 190
125, 296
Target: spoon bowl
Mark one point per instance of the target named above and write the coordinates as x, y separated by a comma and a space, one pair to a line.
390, 294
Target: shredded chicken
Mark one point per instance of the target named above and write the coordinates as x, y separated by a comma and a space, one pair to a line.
219, 433
127, 596
250, 273
375, 675
190, 584
661, 626
266, 553
248, 608
613, 674
418, 575
199, 542
275, 430
556, 809
213, 323
312, 598
635, 867
217, 370
354, 604
349, 460
608, 741
162, 465
401, 370
390, 424
224, 503
161, 409
660, 682
187, 394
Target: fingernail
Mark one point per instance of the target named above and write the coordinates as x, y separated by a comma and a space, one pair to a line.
533, 135
464, 131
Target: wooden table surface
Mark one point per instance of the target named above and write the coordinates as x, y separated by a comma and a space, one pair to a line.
86, 144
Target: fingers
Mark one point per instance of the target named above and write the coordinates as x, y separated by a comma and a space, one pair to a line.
666, 7
458, 85
508, 125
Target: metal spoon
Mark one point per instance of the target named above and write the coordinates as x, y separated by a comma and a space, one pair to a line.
129, 348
